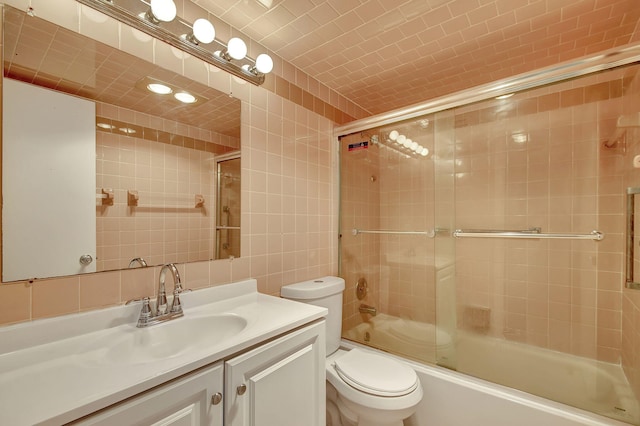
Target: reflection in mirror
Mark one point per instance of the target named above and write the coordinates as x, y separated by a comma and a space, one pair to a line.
153, 176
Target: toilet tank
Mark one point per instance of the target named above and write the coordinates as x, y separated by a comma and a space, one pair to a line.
325, 292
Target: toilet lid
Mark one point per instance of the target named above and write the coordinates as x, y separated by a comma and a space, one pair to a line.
376, 374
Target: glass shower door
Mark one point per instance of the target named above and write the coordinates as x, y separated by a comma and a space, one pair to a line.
539, 296
387, 238
228, 207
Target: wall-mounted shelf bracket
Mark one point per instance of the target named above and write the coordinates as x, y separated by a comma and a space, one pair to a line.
106, 196
132, 198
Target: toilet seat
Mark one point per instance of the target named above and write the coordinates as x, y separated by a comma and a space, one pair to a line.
375, 375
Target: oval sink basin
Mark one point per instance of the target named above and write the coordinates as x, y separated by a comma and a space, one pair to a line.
165, 340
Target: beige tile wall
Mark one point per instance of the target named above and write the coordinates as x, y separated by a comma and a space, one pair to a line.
289, 190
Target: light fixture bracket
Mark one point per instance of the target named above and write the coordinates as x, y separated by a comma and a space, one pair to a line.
134, 14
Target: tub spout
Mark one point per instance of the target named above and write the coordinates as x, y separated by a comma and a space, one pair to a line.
366, 309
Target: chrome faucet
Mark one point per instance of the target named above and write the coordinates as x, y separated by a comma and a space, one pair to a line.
163, 312
366, 309
161, 302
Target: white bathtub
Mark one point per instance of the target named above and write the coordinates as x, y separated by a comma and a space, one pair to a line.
453, 399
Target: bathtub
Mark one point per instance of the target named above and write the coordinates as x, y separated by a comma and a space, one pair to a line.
581, 386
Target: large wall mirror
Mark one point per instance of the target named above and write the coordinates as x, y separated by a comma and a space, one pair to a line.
98, 172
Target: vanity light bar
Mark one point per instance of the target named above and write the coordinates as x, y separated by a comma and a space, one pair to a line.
177, 32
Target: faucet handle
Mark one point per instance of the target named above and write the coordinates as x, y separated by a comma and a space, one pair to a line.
145, 313
161, 303
176, 306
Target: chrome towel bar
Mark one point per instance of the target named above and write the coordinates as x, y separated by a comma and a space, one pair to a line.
529, 233
429, 234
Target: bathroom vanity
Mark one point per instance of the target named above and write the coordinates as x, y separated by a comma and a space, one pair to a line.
237, 357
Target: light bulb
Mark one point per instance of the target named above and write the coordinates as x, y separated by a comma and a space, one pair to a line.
419, 149
414, 146
407, 143
185, 97
264, 63
204, 31
393, 135
400, 139
163, 10
236, 48
425, 152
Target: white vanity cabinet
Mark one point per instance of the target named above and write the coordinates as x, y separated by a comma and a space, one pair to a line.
279, 383
191, 400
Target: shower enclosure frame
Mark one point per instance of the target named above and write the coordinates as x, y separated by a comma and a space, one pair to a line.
556, 74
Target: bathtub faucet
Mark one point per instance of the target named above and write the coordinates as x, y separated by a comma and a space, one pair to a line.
366, 309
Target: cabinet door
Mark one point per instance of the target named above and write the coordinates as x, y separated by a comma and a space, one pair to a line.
49, 165
187, 401
280, 383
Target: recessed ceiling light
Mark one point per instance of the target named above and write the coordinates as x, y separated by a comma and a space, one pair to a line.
160, 89
185, 97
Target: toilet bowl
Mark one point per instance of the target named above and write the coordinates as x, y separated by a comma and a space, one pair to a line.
372, 389
367, 388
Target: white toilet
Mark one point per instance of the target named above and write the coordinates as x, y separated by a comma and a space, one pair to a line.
368, 389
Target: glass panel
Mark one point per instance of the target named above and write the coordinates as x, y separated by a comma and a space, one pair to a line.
543, 315
548, 316
387, 201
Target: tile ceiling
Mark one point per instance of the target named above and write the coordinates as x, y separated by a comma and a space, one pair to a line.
387, 54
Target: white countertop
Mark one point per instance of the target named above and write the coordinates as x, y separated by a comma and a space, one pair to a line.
56, 370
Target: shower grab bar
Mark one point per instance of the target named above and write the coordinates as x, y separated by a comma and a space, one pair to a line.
528, 233
429, 234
